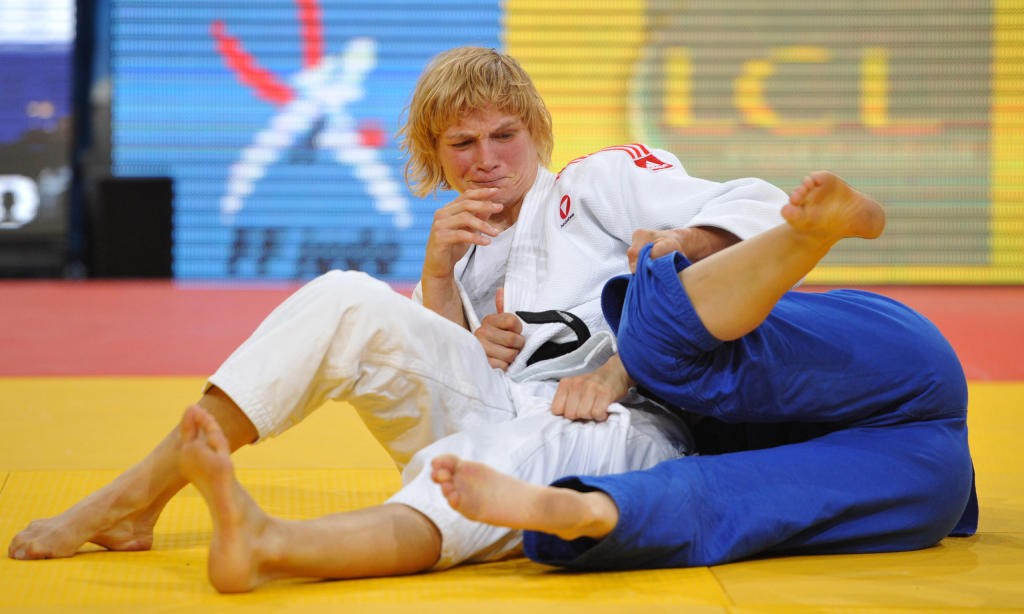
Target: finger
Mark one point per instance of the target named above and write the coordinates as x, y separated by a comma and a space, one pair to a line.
497, 339
480, 209
508, 324
661, 247
558, 403
499, 300
498, 356
463, 220
511, 326
453, 237
572, 403
643, 236
588, 404
479, 193
505, 346
477, 201
497, 364
633, 254
485, 209
602, 401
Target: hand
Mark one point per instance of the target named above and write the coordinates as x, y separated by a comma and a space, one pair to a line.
665, 242
695, 242
587, 396
501, 335
457, 225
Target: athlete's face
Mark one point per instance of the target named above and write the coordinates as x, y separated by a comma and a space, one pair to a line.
490, 149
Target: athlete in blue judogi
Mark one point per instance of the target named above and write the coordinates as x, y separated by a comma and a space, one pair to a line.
825, 422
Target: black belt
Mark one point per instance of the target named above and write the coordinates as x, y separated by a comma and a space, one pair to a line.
552, 349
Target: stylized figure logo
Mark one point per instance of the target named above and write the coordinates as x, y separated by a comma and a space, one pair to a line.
19, 201
319, 93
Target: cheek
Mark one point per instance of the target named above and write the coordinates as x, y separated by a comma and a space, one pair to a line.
526, 149
518, 156
451, 169
526, 160
459, 162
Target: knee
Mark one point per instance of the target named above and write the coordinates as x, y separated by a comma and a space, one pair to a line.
345, 282
341, 288
420, 541
339, 298
661, 371
937, 371
947, 481
954, 495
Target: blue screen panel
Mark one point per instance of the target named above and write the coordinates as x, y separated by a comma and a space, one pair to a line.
276, 121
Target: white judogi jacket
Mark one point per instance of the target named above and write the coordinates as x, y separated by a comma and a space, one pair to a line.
574, 229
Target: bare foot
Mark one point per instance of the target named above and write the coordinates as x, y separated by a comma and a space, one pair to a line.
481, 493
120, 516
824, 204
237, 547
103, 518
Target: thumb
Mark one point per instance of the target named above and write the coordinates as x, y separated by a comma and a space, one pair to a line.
499, 300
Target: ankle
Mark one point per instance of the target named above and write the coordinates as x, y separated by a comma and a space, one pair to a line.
269, 540
592, 514
603, 514
137, 504
817, 244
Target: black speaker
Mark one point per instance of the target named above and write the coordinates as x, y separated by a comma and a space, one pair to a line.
131, 227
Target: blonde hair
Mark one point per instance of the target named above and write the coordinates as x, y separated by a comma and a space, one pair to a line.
457, 82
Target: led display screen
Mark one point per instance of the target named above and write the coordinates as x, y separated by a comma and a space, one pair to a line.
276, 119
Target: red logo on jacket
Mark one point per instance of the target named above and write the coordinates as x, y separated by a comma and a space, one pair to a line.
565, 207
565, 210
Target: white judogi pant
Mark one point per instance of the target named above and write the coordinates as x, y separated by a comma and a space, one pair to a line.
423, 386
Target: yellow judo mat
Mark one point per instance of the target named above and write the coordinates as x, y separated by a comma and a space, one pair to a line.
61, 438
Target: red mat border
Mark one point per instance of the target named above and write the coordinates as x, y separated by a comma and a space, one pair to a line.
172, 328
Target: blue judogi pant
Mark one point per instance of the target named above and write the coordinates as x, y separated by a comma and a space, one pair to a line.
837, 426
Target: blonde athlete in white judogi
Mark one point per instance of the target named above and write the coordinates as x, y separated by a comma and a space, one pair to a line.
420, 380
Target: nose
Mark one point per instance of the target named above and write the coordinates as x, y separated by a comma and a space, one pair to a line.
486, 155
